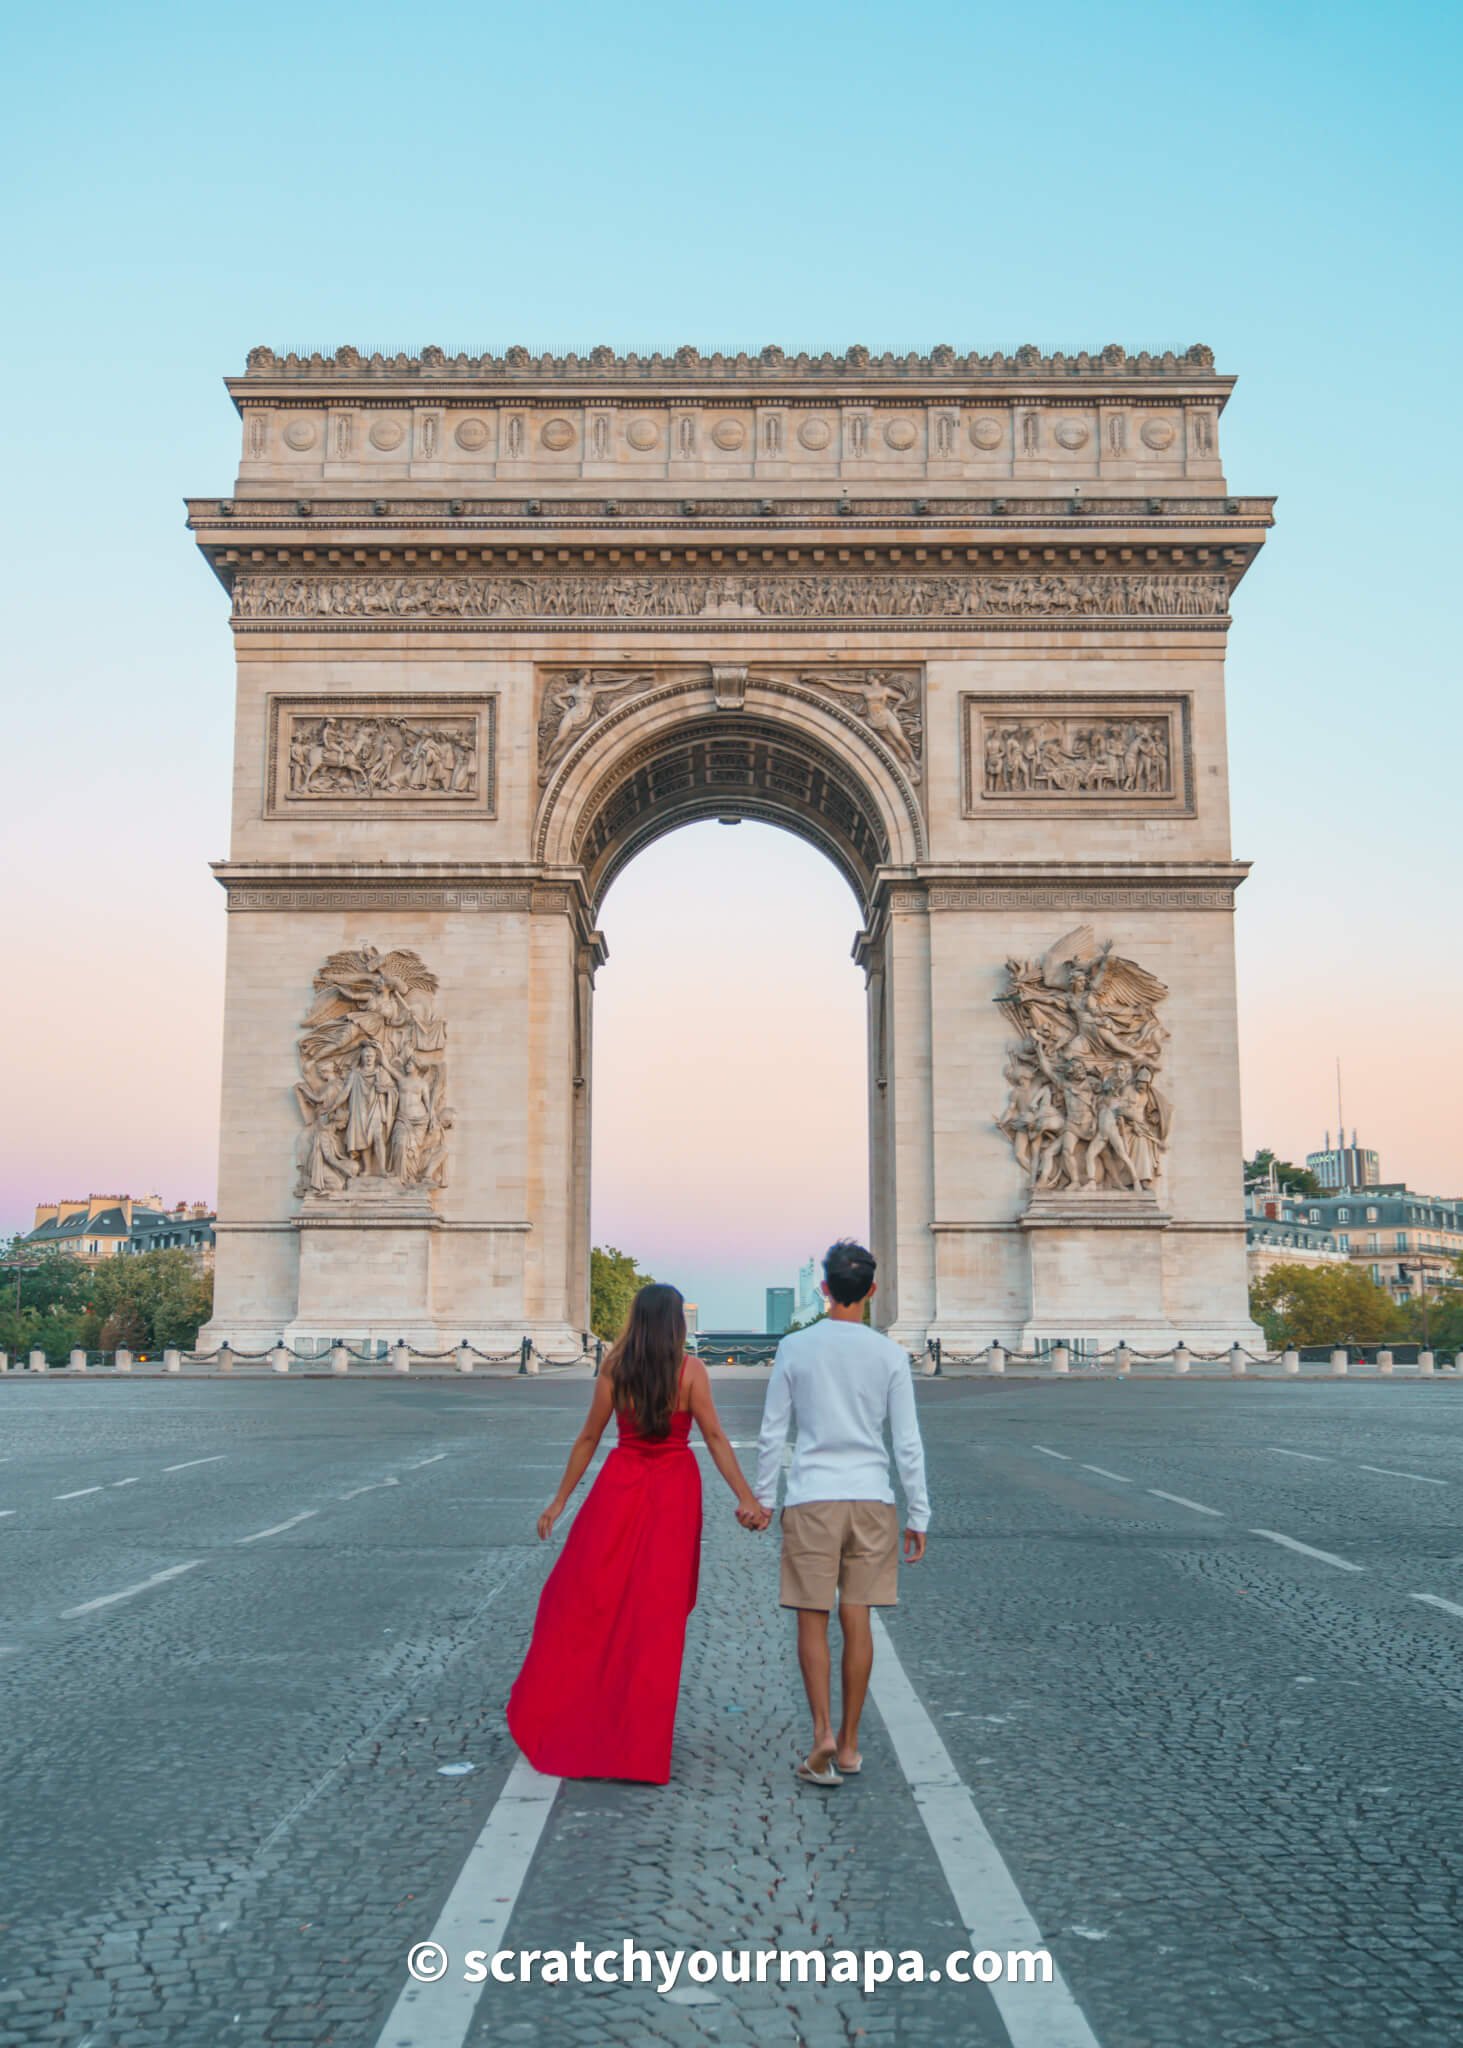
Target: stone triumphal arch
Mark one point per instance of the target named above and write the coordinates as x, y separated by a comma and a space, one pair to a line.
500, 621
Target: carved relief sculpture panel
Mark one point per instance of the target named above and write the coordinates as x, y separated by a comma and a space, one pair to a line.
377, 756
1085, 1114
371, 1088
1061, 756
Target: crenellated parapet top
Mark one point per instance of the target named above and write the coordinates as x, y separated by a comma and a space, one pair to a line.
769, 366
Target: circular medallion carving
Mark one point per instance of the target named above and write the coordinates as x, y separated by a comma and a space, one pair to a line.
557, 434
815, 433
472, 434
643, 433
1159, 434
301, 434
387, 434
987, 432
901, 433
728, 434
1071, 434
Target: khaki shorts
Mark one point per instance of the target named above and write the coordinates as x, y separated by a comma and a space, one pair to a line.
851, 1546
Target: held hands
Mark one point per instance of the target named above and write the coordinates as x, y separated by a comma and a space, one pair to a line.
914, 1545
752, 1515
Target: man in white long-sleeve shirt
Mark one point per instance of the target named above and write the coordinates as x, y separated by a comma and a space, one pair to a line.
838, 1381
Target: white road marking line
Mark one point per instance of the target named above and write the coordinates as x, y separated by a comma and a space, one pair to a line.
129, 1592
1103, 1473
476, 1914
188, 1463
126, 1482
1390, 1472
435, 1457
279, 1527
9, 1511
374, 1486
1047, 1452
1179, 1502
991, 1907
1342, 1564
1311, 1457
80, 1491
1436, 1600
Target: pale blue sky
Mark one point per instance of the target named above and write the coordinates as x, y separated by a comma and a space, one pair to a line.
1279, 182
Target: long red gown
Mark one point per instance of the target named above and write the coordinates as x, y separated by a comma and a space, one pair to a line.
596, 1697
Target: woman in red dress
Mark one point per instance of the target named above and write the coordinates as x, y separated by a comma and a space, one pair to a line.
596, 1697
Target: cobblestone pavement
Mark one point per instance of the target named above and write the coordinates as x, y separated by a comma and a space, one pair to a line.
1220, 1768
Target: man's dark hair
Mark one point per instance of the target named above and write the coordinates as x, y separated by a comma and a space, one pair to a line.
849, 1270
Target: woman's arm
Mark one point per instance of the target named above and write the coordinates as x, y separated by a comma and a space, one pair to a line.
583, 1448
750, 1511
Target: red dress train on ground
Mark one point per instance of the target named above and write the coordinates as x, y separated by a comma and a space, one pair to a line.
596, 1697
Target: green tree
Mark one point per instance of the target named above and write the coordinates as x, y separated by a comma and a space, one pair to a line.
149, 1302
1324, 1305
43, 1300
614, 1281
1293, 1180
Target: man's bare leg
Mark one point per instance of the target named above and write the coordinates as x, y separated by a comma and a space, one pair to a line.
858, 1663
813, 1660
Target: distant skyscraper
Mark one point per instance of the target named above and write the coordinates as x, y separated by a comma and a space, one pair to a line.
809, 1298
693, 1316
779, 1310
1345, 1166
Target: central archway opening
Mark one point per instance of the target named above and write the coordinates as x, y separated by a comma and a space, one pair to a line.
730, 1069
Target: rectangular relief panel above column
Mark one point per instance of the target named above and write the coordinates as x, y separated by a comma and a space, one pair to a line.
411, 755
1076, 754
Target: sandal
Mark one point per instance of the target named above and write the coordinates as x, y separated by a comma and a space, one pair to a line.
826, 1778
848, 1770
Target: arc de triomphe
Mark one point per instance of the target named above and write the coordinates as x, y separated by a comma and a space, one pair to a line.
959, 620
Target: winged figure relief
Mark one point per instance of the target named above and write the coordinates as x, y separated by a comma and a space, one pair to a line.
571, 704
889, 706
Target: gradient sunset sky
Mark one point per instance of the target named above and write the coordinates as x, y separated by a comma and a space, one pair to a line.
1281, 183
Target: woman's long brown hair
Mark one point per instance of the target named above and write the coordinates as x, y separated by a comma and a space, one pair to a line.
646, 1363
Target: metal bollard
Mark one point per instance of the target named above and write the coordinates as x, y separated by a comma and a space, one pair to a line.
226, 1356
1426, 1362
1061, 1358
121, 1359
38, 1361
1338, 1363
1290, 1359
1238, 1363
1123, 1357
1384, 1361
464, 1356
996, 1356
172, 1359
77, 1361
400, 1356
339, 1358
524, 1348
279, 1358
1181, 1356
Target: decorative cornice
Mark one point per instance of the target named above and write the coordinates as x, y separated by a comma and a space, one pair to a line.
399, 885
770, 365
1038, 885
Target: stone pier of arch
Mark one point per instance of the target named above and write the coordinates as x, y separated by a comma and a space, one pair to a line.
499, 622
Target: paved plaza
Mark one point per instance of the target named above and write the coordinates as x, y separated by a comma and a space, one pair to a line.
1192, 1656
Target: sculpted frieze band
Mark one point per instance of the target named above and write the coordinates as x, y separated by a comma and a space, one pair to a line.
1033, 755
681, 595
